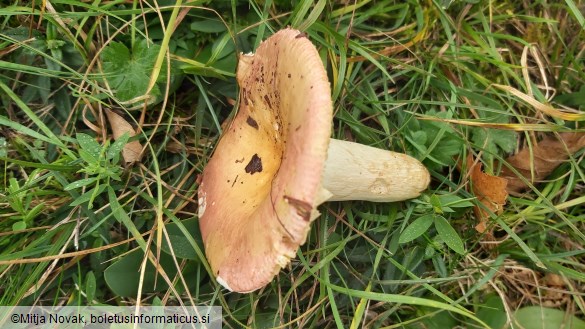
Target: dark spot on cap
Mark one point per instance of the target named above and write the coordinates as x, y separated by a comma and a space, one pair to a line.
289, 75
240, 161
255, 165
267, 99
252, 122
245, 96
311, 87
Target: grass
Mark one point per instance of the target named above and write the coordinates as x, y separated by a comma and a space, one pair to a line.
437, 80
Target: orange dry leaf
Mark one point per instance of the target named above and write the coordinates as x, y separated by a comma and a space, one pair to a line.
131, 151
534, 165
489, 190
546, 156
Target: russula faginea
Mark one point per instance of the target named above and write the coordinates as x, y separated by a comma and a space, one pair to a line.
275, 163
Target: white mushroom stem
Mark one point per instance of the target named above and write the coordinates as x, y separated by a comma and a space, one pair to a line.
359, 172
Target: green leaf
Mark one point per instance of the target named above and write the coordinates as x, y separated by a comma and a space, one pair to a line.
122, 216
3, 148
442, 144
536, 317
123, 276
575, 99
444, 203
94, 193
53, 166
492, 312
434, 320
51, 137
89, 144
436, 203
43, 85
80, 183
449, 235
90, 287
439, 265
446, 150
315, 12
15, 196
4, 121
221, 48
31, 214
419, 137
196, 67
129, 74
19, 226
87, 157
180, 244
89, 195
208, 26
429, 251
115, 57
493, 139
454, 201
416, 228
117, 146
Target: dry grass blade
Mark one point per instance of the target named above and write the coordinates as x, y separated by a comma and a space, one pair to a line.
544, 108
501, 126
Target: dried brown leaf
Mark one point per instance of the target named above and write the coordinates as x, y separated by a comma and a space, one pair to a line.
538, 163
490, 191
132, 150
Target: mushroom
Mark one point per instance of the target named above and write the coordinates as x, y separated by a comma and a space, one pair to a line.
275, 163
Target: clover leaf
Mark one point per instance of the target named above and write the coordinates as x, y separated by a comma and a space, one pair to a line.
128, 73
